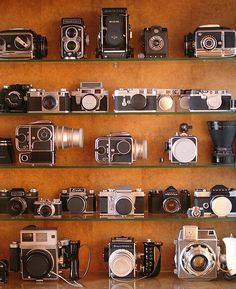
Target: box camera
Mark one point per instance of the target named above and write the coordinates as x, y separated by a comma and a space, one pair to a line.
17, 201
43, 101
182, 147
38, 141
73, 38
115, 34
77, 200
21, 43
211, 41
196, 253
166, 99
135, 100
47, 208
121, 201
91, 96
155, 42
7, 155
3, 270
169, 201
119, 148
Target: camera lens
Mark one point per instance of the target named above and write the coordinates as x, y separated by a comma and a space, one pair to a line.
14, 99
46, 210
17, 206
165, 102
72, 46
121, 262
68, 137
49, 102
76, 205
90, 102
184, 150
156, 43
41, 47
199, 263
44, 134
124, 206
140, 150
171, 205
71, 32
208, 42
138, 101
123, 147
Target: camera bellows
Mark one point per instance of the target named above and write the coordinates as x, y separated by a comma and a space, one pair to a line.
68, 137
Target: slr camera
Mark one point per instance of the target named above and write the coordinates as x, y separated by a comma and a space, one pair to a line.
115, 34
13, 98
77, 200
43, 101
135, 100
37, 141
155, 42
121, 201
90, 97
17, 201
182, 147
166, 99
169, 201
73, 38
20, 43
196, 253
47, 208
119, 148
7, 155
3, 270
211, 41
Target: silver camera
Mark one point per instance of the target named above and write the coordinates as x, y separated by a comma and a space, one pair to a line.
196, 253
166, 99
47, 208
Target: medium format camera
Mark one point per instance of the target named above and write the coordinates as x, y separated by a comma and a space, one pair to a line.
73, 38
196, 253
7, 155
209, 100
121, 201
17, 201
38, 141
43, 101
13, 98
3, 270
20, 43
77, 200
115, 34
211, 41
47, 208
182, 147
119, 148
155, 42
166, 99
91, 96
135, 99
169, 201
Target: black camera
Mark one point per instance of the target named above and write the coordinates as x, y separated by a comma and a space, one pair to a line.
20, 43
169, 201
17, 201
115, 34
155, 42
7, 155
47, 208
78, 200
13, 98
3, 270
73, 38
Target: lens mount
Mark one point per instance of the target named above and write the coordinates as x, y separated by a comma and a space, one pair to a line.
71, 32
165, 102
208, 42
17, 206
44, 134
68, 137
140, 150
171, 205
46, 210
123, 147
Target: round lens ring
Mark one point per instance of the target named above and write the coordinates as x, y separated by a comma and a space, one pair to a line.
171, 205
71, 32
44, 134
45, 211
199, 263
71, 46
123, 147
49, 102
17, 206
208, 42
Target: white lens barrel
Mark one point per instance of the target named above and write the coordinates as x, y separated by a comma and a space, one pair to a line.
121, 263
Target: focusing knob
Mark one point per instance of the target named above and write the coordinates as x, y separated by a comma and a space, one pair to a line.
184, 127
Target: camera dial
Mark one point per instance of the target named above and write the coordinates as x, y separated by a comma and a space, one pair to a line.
71, 32
44, 134
171, 205
14, 99
22, 42
208, 42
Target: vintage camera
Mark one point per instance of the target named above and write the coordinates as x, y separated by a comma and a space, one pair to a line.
7, 155
211, 41
115, 34
77, 200
169, 201
73, 38
210, 100
47, 208
182, 147
166, 99
195, 212
36, 255
196, 253
155, 42
38, 141
17, 201
121, 201
3, 270
119, 148
13, 98
20, 43
182, 101
43, 101
135, 99
91, 96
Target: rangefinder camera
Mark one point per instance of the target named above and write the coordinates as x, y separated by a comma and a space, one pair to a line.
48, 208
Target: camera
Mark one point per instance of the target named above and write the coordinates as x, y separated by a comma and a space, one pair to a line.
43, 101
115, 34
73, 38
169, 201
121, 201
166, 99
182, 103
182, 147
135, 100
91, 96
3, 270
47, 208
38, 141
7, 155
119, 148
195, 212
211, 41
20, 43
209, 100
77, 200
155, 42
17, 201
196, 253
